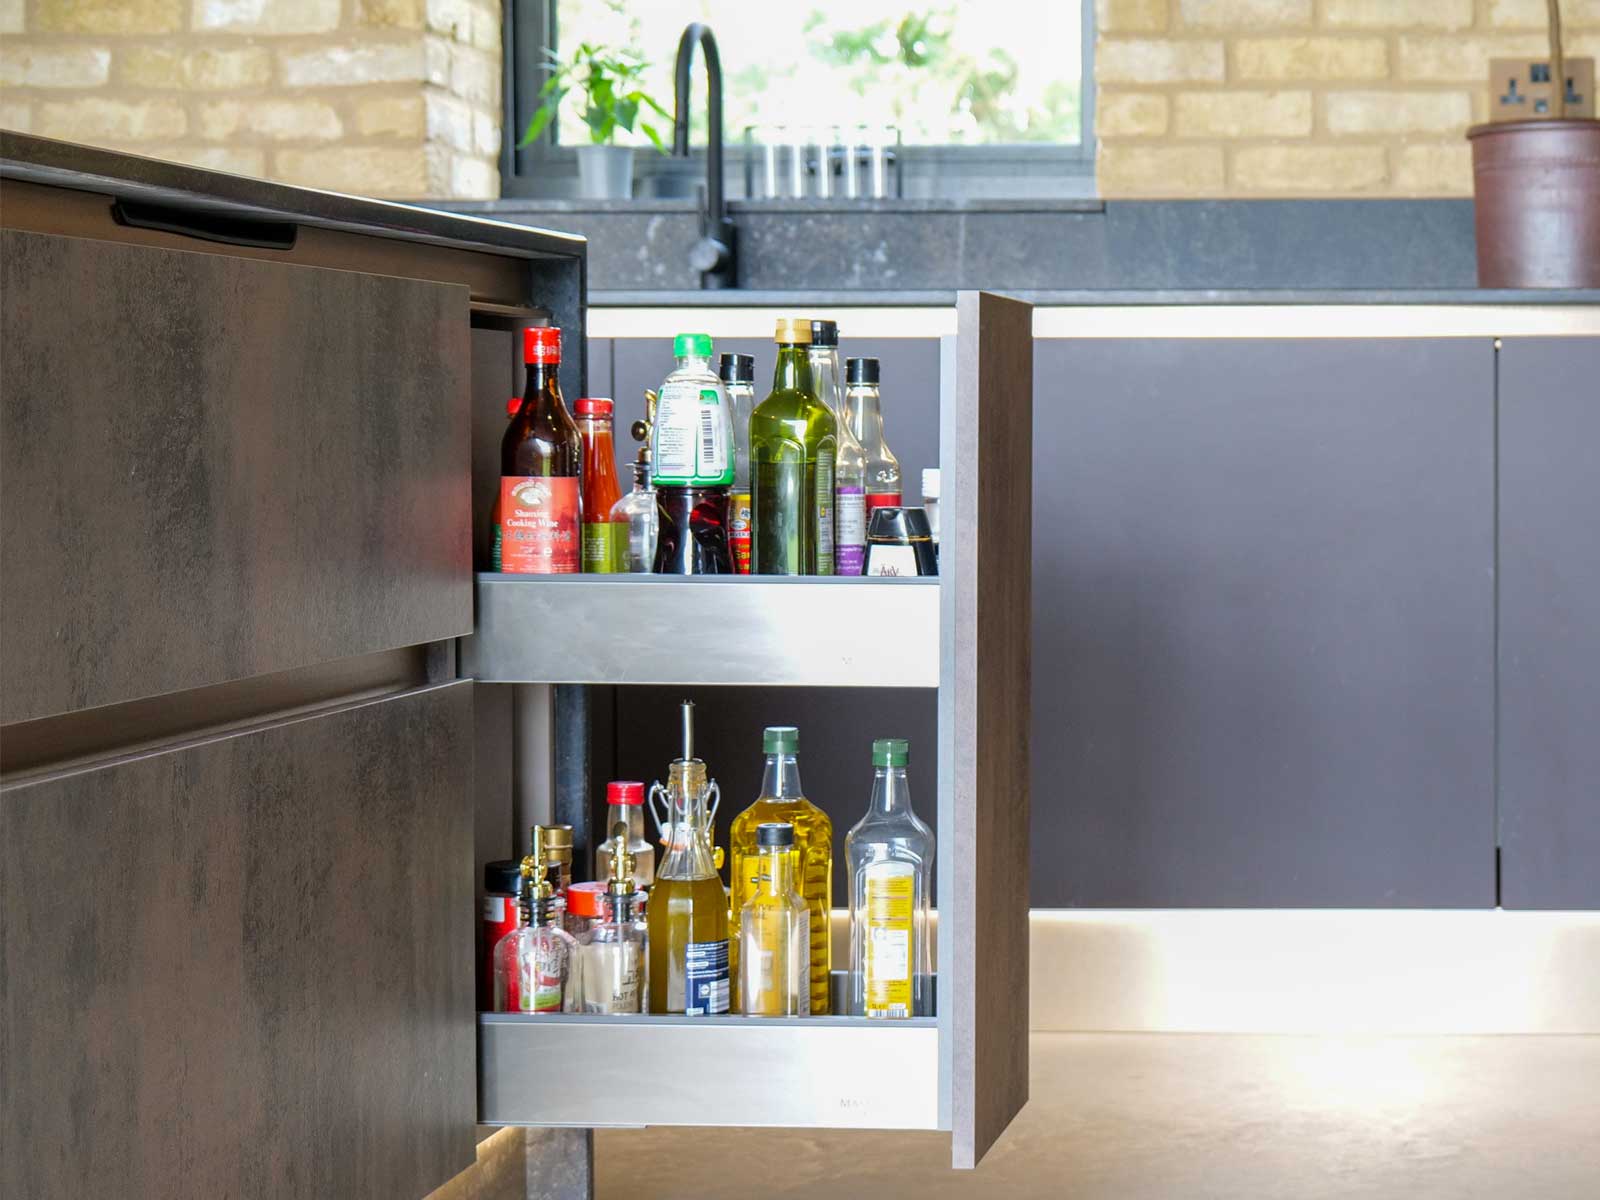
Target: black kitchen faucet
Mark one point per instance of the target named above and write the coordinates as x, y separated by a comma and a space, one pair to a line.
713, 253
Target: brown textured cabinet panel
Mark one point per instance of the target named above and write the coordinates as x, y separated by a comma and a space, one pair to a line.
213, 468
243, 967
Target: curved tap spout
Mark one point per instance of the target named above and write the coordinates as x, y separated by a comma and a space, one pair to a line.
713, 254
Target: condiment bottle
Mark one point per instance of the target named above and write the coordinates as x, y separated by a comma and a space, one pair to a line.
499, 915
738, 372
616, 967
541, 466
774, 931
535, 966
625, 807
601, 491
850, 461
692, 450
864, 411
793, 441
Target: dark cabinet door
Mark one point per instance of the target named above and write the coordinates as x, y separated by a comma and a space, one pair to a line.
243, 966
1550, 623
1263, 623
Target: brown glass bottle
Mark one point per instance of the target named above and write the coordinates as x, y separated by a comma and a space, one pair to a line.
541, 470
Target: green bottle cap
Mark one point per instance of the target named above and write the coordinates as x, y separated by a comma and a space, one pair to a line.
780, 739
891, 752
697, 345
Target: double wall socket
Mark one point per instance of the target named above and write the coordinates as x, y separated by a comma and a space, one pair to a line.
1521, 88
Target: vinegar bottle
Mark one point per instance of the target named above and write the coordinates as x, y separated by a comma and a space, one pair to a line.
541, 466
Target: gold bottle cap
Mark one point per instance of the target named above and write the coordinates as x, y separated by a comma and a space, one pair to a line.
621, 882
536, 884
557, 842
792, 331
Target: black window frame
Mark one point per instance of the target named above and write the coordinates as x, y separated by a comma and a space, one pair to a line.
547, 168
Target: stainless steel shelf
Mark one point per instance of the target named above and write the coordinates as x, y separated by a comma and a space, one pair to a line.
805, 1072
643, 629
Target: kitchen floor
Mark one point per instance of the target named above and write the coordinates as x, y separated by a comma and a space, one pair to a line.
1192, 1117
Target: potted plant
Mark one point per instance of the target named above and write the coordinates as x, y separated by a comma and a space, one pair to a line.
615, 100
1536, 188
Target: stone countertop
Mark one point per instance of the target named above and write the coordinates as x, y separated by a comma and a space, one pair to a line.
1085, 297
131, 178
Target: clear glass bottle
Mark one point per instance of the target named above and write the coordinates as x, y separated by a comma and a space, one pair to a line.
625, 807
775, 932
692, 453
864, 413
738, 372
793, 440
615, 965
850, 460
536, 966
688, 918
783, 800
636, 548
890, 858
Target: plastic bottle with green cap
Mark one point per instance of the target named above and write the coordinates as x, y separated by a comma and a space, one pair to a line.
782, 800
692, 457
890, 855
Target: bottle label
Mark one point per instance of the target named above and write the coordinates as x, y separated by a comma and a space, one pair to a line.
539, 524
739, 531
824, 504
705, 978
850, 524
882, 500
600, 546
889, 901
611, 973
884, 559
692, 443
544, 978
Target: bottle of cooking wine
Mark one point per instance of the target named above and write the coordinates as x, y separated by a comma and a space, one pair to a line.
541, 470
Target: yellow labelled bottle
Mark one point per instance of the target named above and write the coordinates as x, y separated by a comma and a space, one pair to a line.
614, 968
782, 800
688, 912
775, 932
890, 858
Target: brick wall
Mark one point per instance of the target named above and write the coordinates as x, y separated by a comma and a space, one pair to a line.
383, 97
1305, 97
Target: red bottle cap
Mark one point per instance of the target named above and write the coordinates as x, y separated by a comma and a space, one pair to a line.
584, 899
513, 406
624, 791
542, 345
594, 406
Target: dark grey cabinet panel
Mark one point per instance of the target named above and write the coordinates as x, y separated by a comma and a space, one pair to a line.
1263, 623
243, 967
1550, 622
217, 467
910, 391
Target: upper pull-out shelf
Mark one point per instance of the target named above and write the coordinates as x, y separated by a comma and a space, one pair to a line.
730, 629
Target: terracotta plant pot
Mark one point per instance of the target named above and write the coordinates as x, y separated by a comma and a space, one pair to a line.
1537, 191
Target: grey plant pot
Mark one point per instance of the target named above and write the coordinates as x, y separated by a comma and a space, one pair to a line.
605, 172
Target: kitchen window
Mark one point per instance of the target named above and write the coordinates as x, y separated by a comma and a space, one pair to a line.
986, 100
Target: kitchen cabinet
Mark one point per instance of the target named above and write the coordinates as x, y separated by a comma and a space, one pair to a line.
1264, 622
1549, 647
250, 773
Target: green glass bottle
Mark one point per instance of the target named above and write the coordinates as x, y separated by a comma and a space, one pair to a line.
793, 443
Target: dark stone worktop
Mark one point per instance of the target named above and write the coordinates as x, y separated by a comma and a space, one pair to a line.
1085, 298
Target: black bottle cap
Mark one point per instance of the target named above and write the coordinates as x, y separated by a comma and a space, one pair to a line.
775, 833
503, 877
861, 370
824, 333
737, 368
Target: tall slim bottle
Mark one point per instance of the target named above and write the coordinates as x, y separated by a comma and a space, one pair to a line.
793, 443
600, 488
783, 800
541, 470
864, 411
738, 372
775, 932
850, 461
890, 858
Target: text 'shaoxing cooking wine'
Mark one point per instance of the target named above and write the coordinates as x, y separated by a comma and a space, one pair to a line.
541, 468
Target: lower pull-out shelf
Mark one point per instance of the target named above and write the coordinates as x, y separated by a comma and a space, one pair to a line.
817, 1072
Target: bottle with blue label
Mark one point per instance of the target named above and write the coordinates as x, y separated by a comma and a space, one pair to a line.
692, 463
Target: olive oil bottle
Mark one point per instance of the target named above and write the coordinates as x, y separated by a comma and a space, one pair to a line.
794, 440
688, 913
782, 800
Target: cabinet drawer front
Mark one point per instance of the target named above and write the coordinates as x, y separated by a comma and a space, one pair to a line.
217, 467
243, 967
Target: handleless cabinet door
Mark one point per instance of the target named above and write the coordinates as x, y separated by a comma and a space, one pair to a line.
243, 966
215, 467
1550, 623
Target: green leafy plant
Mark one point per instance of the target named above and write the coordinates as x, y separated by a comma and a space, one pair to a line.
612, 85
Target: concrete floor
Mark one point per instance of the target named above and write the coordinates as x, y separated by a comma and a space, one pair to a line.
1195, 1117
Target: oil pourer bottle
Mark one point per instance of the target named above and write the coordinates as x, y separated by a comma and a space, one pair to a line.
688, 918
782, 800
890, 857
775, 932
614, 964
537, 965
635, 515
